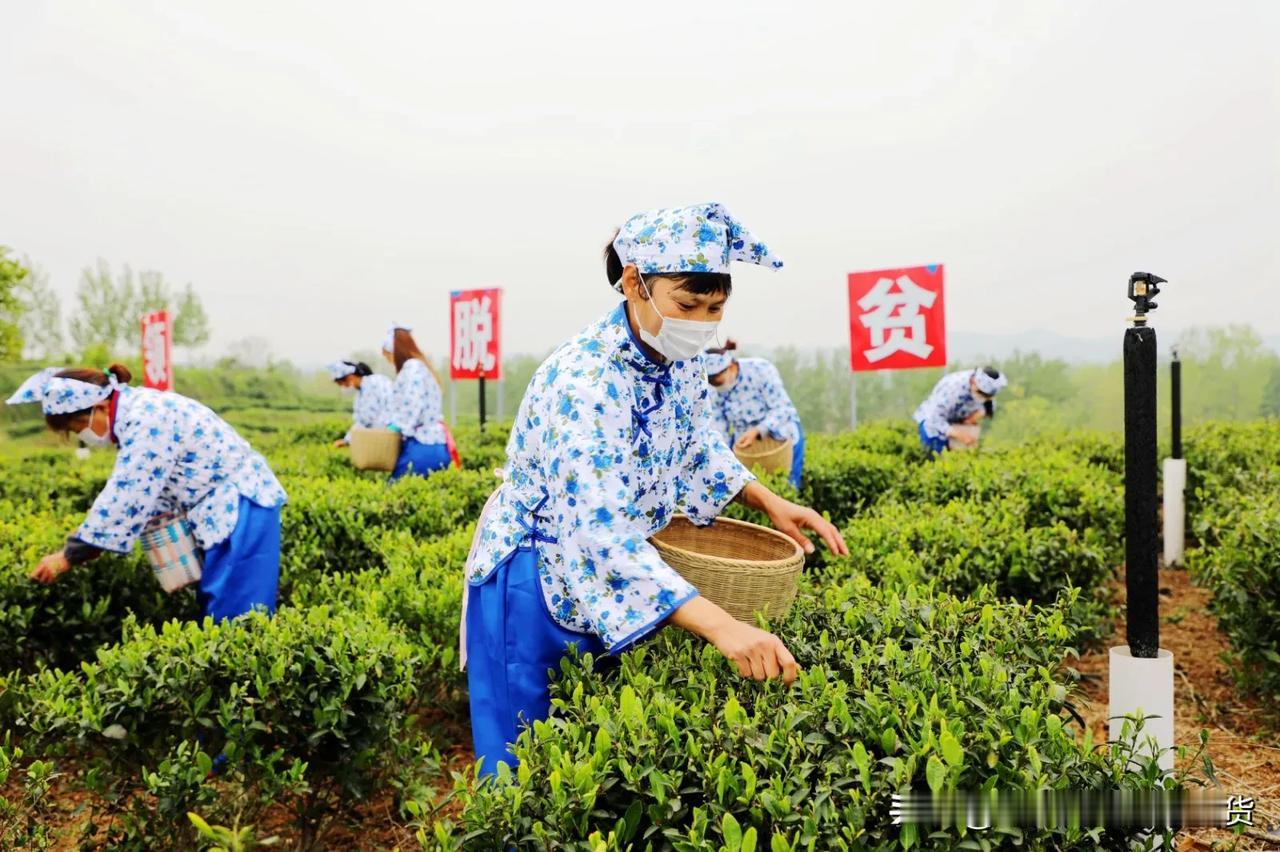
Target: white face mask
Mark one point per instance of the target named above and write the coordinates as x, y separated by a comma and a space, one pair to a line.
346, 390
92, 438
725, 387
677, 339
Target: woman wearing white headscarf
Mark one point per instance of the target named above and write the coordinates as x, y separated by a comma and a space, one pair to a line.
417, 407
371, 408
175, 455
614, 436
955, 405
752, 403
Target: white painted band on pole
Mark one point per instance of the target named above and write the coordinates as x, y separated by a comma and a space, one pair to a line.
1143, 685
1175, 487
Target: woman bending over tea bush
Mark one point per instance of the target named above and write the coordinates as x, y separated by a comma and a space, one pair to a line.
176, 457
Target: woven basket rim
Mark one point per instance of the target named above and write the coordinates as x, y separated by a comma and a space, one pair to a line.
763, 446
781, 565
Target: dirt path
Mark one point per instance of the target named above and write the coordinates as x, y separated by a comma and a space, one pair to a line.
1244, 747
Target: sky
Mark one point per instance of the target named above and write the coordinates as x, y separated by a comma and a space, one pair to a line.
319, 169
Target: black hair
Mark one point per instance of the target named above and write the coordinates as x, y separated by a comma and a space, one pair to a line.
360, 369
989, 406
698, 283
992, 372
730, 345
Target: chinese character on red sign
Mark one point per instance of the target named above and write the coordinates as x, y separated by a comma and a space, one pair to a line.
897, 319
473, 334
157, 351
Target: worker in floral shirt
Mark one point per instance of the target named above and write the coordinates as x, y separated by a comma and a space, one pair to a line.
175, 456
371, 408
751, 403
954, 407
614, 436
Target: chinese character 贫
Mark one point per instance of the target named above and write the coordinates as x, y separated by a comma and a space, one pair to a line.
894, 319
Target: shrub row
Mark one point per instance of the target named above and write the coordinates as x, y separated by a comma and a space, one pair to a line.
901, 687
966, 544
1240, 565
308, 707
62, 624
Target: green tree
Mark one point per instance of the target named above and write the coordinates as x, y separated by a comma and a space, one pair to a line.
41, 319
12, 274
111, 306
104, 318
190, 322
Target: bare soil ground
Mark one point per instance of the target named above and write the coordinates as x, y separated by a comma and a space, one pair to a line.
1243, 743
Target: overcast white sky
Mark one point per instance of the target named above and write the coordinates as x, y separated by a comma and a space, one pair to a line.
317, 169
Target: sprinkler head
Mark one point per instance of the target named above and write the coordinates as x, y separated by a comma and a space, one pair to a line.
1143, 288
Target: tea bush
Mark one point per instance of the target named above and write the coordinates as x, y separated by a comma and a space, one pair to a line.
64, 623
1242, 571
966, 544
55, 480
308, 706
332, 526
418, 589
1224, 459
900, 688
1055, 486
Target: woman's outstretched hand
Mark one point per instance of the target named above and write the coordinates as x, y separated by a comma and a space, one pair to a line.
757, 653
51, 568
791, 518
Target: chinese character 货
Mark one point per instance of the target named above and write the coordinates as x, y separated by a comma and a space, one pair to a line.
1239, 810
894, 319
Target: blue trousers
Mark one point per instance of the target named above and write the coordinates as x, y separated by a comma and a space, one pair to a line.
418, 459
932, 444
512, 645
243, 572
797, 460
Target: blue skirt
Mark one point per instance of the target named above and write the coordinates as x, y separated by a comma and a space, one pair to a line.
419, 459
797, 460
243, 572
932, 444
512, 646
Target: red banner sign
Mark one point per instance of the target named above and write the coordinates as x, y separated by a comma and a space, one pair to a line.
157, 351
474, 333
897, 319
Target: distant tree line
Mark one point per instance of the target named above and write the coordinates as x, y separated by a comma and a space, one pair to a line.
105, 319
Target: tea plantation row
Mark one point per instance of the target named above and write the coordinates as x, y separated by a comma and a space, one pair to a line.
934, 657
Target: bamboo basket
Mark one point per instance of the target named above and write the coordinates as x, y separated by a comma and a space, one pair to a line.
971, 429
374, 449
742, 567
770, 454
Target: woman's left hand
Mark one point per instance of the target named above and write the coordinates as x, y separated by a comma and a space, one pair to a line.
747, 439
791, 518
51, 568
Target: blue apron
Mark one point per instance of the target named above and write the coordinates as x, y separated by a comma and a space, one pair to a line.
419, 459
512, 643
797, 459
931, 444
242, 572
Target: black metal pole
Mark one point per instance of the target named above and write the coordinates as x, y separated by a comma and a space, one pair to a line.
482, 403
1175, 399
1142, 525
